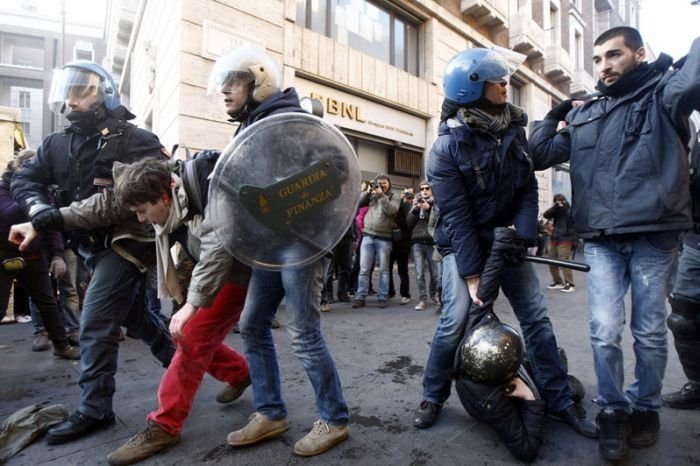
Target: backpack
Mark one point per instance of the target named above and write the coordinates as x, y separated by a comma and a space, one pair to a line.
194, 172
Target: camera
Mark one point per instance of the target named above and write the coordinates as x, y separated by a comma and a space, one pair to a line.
373, 184
419, 198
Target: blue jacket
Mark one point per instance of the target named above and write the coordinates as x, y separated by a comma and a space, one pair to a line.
628, 155
480, 182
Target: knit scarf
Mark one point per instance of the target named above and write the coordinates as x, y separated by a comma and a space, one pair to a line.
168, 285
493, 123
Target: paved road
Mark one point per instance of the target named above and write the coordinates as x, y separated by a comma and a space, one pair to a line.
380, 354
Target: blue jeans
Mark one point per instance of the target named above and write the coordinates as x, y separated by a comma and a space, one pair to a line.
301, 289
644, 261
522, 288
372, 249
687, 285
113, 298
422, 256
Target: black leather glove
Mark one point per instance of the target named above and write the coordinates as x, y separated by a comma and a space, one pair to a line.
560, 110
47, 219
516, 253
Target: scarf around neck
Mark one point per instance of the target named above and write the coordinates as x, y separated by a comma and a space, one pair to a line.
493, 123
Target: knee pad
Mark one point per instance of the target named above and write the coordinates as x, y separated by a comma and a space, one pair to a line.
684, 320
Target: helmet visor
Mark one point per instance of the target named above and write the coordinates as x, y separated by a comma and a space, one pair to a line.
75, 86
228, 82
491, 68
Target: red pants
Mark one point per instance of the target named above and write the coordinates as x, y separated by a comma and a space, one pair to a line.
202, 350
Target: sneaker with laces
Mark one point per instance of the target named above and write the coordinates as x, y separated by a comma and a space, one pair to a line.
144, 444
322, 437
259, 428
232, 392
568, 288
405, 300
555, 286
420, 306
41, 342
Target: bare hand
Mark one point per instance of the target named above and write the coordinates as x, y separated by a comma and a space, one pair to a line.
22, 235
180, 319
57, 268
520, 389
473, 286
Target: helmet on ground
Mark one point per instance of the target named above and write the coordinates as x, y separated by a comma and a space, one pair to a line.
465, 75
245, 66
82, 79
491, 353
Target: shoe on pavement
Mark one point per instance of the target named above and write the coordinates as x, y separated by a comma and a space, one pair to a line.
325, 307
568, 288
426, 414
322, 437
233, 392
555, 286
275, 323
436, 299
74, 337
358, 303
644, 428
77, 426
23, 319
41, 342
575, 417
405, 300
687, 397
382, 304
258, 429
67, 352
420, 306
144, 444
343, 298
614, 428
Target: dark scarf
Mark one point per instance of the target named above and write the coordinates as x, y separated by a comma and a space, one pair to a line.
88, 123
636, 78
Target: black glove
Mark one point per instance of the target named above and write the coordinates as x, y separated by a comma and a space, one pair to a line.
48, 219
560, 110
516, 253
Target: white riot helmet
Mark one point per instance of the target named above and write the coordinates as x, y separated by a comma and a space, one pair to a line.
245, 66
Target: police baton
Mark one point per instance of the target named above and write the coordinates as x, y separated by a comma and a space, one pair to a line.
579, 266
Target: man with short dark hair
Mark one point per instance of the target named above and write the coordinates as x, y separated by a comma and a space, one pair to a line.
629, 173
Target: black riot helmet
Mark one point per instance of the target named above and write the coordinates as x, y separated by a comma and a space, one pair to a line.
490, 353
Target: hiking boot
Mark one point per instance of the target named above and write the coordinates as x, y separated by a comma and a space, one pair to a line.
405, 300
568, 288
644, 428
67, 352
426, 414
233, 392
382, 304
143, 445
555, 286
275, 323
259, 428
41, 342
575, 417
74, 337
358, 303
420, 306
322, 437
687, 397
325, 307
614, 428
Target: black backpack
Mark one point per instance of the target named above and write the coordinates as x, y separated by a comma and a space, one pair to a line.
194, 172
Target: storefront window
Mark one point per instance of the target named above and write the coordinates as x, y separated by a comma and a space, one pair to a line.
364, 26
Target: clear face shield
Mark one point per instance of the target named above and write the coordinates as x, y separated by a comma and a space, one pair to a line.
228, 82
496, 66
77, 88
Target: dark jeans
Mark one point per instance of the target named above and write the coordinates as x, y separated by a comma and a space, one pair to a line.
401, 259
343, 263
34, 278
68, 300
114, 297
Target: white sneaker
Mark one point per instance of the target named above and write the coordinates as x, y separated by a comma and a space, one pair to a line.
555, 286
405, 300
322, 437
23, 319
420, 306
568, 288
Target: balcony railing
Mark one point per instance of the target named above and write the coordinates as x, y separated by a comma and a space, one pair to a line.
526, 36
557, 63
487, 12
581, 84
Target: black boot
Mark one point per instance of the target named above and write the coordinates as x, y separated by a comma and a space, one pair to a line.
644, 428
687, 397
613, 425
78, 425
576, 418
426, 414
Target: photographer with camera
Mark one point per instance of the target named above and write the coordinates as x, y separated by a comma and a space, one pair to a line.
376, 238
562, 242
401, 248
423, 245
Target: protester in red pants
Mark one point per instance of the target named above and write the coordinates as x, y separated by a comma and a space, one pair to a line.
154, 190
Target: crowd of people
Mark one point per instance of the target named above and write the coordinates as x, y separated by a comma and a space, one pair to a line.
113, 191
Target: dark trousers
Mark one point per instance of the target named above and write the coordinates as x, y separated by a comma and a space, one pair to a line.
401, 259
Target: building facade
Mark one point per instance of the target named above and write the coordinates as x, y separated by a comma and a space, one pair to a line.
376, 65
35, 38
